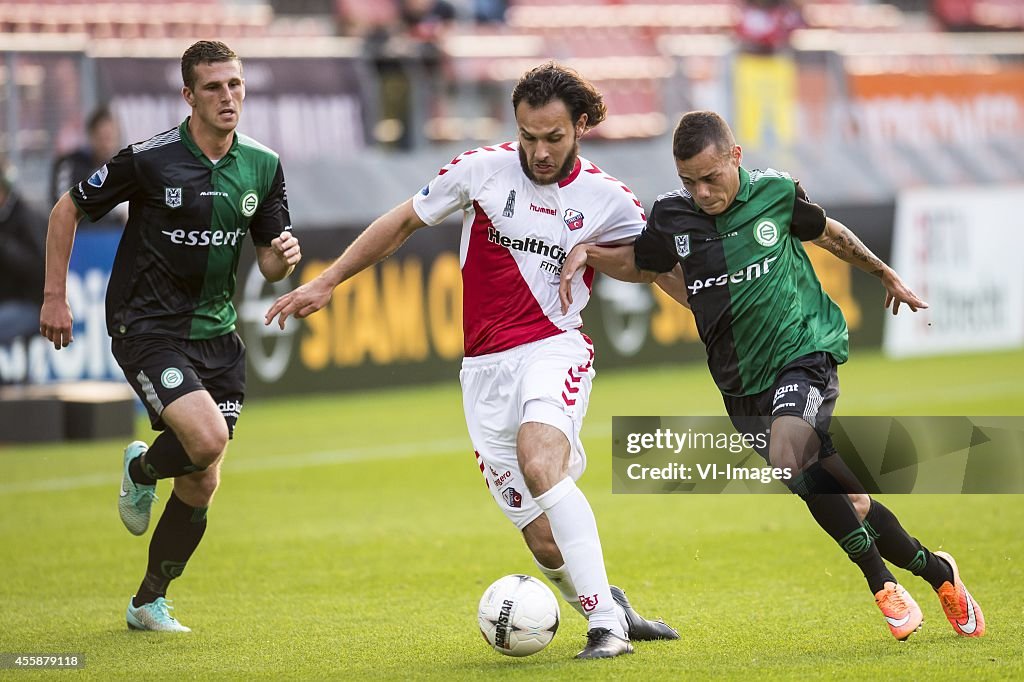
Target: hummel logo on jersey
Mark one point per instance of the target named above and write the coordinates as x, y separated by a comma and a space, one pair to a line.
203, 237
530, 245
172, 197
510, 204
542, 209
573, 219
751, 272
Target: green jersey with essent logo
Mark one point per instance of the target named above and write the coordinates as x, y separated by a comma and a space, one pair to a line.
757, 302
174, 272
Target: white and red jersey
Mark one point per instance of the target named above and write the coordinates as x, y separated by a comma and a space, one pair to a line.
515, 236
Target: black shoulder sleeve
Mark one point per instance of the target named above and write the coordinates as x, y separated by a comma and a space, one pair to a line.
651, 248
808, 218
109, 185
272, 216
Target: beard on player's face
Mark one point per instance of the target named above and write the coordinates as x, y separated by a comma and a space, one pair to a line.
563, 171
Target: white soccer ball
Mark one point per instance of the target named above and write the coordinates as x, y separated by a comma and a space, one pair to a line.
518, 615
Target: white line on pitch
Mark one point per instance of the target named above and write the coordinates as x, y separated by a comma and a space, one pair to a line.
241, 465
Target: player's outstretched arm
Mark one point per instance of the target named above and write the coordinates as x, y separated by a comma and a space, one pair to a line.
55, 318
615, 260
843, 243
279, 259
378, 241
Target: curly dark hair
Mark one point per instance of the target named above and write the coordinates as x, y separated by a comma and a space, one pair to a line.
204, 52
548, 81
697, 130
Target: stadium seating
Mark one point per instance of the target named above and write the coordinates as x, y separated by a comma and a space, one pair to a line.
162, 19
980, 14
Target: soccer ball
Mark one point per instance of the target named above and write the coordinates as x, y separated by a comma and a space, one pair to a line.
518, 615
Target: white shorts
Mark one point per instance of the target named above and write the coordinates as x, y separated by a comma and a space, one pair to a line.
546, 381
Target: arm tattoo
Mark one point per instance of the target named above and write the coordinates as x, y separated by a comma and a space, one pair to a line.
847, 246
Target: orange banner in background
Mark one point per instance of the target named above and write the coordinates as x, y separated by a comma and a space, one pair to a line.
936, 107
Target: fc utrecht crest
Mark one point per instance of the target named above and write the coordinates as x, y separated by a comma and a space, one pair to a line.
683, 245
172, 196
513, 497
573, 219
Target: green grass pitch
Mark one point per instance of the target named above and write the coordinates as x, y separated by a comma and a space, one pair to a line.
353, 536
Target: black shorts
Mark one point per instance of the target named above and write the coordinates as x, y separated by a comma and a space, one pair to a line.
161, 369
807, 388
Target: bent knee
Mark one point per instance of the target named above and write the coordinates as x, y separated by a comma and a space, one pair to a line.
207, 447
538, 474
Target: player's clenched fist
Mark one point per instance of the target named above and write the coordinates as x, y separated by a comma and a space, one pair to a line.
286, 246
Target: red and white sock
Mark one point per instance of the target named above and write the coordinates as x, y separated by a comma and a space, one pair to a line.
575, 532
559, 577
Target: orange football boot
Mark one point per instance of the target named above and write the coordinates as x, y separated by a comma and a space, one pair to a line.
962, 612
901, 612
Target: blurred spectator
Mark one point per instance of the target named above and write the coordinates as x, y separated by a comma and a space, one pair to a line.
410, 64
426, 20
490, 11
765, 25
22, 259
103, 142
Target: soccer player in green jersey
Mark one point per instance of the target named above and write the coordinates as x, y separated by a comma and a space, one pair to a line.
193, 193
732, 240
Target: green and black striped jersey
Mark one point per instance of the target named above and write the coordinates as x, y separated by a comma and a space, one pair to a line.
174, 272
757, 302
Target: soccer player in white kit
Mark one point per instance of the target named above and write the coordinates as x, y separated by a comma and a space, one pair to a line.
527, 374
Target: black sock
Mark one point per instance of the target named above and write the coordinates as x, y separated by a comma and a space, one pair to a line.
834, 514
138, 474
166, 458
176, 537
831, 508
902, 549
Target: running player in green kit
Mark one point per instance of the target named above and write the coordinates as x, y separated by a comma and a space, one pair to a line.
193, 192
774, 338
